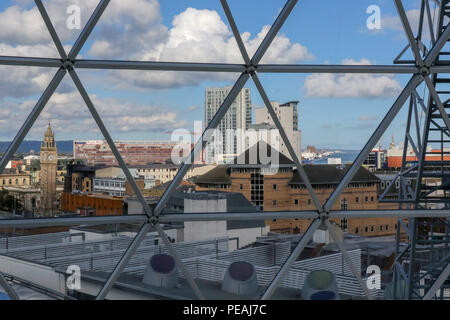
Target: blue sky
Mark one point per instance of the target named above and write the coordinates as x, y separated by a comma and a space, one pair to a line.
330, 31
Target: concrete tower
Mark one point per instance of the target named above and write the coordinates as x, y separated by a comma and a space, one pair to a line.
238, 117
49, 159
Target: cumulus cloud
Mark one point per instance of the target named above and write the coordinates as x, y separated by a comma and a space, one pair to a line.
133, 30
196, 36
68, 114
351, 85
393, 22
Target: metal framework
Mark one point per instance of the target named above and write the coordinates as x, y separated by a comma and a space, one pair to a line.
428, 238
425, 64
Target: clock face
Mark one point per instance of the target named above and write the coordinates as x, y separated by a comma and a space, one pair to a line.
50, 157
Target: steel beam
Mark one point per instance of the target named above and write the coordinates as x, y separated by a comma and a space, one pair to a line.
276, 26
440, 43
158, 66
409, 34
311, 68
334, 234
123, 261
430, 22
12, 148
30, 62
179, 262
226, 67
288, 144
215, 121
438, 283
438, 101
51, 29
291, 259
75, 221
220, 216
412, 84
236, 33
9, 290
110, 141
88, 29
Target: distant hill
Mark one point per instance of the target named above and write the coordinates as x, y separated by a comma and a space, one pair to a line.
64, 146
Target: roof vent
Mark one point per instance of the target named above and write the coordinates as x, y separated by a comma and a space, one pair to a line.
240, 278
320, 285
161, 272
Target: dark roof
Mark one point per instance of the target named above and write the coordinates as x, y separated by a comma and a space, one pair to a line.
236, 203
332, 174
217, 175
252, 157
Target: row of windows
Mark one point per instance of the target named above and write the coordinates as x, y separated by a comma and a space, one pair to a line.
332, 186
344, 202
109, 184
386, 184
24, 181
372, 228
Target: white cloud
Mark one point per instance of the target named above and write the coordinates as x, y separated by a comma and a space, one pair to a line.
198, 36
132, 30
351, 85
393, 22
69, 114
366, 117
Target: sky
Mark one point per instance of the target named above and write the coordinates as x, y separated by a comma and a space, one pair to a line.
335, 111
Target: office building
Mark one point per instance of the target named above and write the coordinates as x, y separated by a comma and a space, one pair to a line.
237, 118
287, 113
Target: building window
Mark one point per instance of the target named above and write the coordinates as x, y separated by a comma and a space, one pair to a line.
371, 198
241, 187
366, 229
381, 228
356, 199
274, 187
344, 204
274, 203
367, 199
309, 201
356, 230
296, 201
387, 227
371, 229
344, 223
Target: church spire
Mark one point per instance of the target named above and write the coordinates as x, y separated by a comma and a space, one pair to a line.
49, 139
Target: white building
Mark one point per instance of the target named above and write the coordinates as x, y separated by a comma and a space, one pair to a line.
238, 117
287, 113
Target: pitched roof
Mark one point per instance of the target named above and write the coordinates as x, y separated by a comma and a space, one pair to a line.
217, 175
332, 174
252, 157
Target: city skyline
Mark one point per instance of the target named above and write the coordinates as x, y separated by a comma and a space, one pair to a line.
156, 105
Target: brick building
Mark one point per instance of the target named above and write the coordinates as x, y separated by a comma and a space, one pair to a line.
134, 153
91, 204
282, 189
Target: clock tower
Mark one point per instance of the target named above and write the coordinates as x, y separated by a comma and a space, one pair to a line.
49, 161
